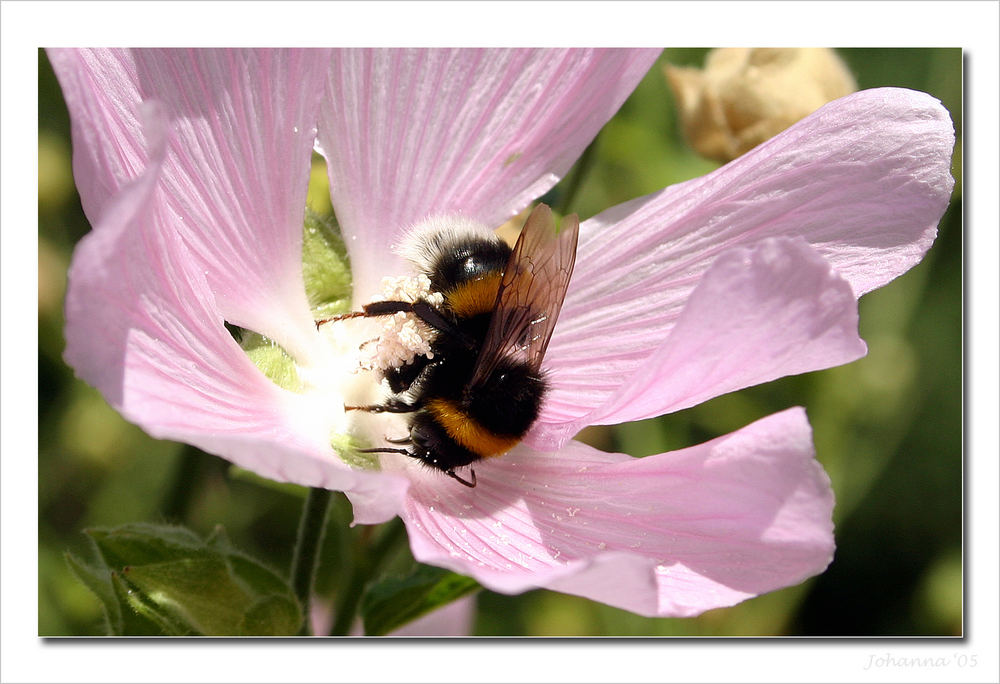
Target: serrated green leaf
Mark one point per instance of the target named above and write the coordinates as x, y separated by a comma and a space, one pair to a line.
392, 603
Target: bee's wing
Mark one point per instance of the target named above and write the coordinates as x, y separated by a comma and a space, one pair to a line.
531, 293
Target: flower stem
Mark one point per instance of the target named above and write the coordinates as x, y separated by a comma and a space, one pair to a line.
367, 562
311, 528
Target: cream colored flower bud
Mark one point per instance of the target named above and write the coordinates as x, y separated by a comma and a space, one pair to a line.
744, 96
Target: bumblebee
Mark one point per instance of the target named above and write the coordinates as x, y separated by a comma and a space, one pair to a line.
479, 390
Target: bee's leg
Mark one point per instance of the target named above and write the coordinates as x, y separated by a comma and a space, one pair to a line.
401, 378
421, 309
390, 406
386, 308
468, 483
341, 317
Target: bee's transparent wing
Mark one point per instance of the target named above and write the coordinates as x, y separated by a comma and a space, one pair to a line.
531, 293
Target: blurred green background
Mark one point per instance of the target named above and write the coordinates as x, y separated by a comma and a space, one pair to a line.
888, 428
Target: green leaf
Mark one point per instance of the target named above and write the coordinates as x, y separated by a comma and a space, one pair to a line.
392, 603
166, 579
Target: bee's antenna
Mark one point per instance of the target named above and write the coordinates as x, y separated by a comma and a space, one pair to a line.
452, 474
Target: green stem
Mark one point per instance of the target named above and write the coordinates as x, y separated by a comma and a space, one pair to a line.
311, 527
368, 561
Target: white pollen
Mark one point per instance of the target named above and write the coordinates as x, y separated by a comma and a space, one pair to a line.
403, 336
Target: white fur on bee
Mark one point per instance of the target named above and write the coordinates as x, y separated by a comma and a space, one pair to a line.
424, 242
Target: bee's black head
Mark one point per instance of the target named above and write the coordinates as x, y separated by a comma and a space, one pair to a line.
469, 259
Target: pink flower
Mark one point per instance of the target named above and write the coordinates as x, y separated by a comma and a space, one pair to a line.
193, 166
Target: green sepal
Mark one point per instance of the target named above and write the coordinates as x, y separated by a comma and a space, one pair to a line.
348, 449
98, 580
142, 616
162, 579
272, 360
326, 269
119, 618
391, 603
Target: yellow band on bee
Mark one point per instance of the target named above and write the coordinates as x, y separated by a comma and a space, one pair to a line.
475, 296
467, 432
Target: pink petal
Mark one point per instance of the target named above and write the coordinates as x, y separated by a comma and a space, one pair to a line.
143, 326
242, 126
101, 90
408, 133
864, 180
670, 535
758, 313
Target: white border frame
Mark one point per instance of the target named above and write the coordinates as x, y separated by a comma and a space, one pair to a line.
27, 26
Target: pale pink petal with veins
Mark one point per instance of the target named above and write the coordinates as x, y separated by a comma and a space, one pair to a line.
478, 133
670, 535
864, 180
